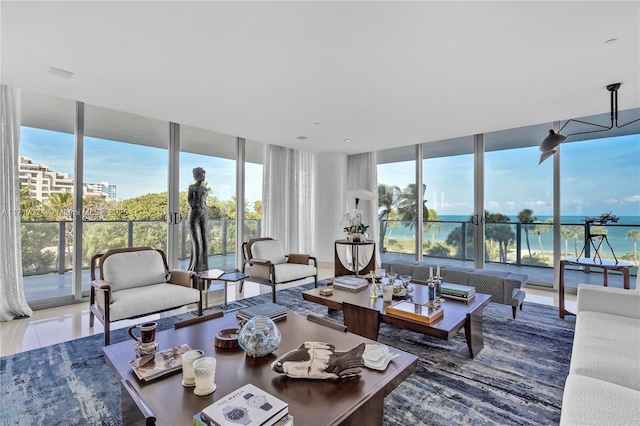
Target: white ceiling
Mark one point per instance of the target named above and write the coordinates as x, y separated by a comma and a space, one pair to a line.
383, 74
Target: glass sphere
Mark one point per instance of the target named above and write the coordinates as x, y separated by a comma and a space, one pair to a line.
259, 336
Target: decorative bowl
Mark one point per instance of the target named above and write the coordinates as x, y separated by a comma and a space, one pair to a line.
259, 337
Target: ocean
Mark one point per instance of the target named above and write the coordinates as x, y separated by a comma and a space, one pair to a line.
616, 232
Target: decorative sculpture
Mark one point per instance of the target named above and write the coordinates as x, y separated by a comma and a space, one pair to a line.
197, 220
318, 360
602, 220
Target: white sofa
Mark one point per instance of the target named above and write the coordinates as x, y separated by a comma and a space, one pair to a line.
603, 386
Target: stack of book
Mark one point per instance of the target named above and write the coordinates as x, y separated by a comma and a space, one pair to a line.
249, 406
351, 283
457, 291
272, 310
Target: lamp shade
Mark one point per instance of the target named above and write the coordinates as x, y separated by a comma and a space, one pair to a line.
549, 145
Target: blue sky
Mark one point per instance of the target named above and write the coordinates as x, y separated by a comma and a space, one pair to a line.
597, 176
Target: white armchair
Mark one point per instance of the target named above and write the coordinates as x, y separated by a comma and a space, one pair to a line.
266, 263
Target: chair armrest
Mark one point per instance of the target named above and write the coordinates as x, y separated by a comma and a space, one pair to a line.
302, 259
260, 262
100, 284
181, 277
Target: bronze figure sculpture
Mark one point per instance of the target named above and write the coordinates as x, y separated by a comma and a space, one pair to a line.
197, 220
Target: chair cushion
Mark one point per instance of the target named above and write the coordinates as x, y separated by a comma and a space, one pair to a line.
134, 269
137, 301
270, 250
293, 271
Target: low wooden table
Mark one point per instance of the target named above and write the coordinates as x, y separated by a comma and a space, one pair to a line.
605, 264
164, 401
457, 315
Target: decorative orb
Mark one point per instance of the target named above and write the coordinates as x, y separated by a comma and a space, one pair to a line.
259, 337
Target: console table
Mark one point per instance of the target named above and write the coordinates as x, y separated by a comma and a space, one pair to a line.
353, 258
605, 264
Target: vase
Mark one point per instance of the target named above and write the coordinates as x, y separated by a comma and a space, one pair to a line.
354, 237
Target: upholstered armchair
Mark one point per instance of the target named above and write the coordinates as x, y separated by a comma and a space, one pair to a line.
266, 263
134, 282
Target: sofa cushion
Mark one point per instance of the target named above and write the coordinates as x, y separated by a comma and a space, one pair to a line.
270, 250
456, 274
137, 301
293, 271
133, 269
606, 347
589, 401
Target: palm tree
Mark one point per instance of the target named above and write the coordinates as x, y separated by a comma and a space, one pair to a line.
407, 208
387, 201
578, 235
635, 235
541, 229
566, 232
526, 217
502, 234
434, 223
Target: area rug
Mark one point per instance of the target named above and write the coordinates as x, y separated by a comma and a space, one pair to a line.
517, 378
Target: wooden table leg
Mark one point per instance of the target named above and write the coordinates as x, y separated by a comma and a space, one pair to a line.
473, 332
561, 310
625, 276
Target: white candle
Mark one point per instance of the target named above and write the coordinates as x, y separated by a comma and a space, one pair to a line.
430, 271
438, 272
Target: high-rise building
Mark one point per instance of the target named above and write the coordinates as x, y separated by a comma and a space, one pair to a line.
43, 182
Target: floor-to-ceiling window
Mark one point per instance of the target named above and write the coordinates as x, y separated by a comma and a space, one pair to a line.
124, 182
254, 159
216, 154
447, 173
600, 186
398, 203
518, 202
46, 194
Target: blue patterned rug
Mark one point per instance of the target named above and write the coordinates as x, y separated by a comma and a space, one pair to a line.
517, 378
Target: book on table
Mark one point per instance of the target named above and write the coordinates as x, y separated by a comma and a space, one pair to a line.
249, 406
272, 310
351, 283
149, 367
415, 311
457, 291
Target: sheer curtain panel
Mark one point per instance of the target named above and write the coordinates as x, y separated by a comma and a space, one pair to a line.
362, 173
12, 300
288, 198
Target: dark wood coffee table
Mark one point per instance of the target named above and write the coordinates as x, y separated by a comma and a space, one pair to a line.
457, 315
357, 400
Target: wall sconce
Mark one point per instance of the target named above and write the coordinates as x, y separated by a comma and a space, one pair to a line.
549, 145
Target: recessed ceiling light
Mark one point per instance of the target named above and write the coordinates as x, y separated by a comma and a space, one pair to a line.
610, 41
302, 138
347, 140
60, 72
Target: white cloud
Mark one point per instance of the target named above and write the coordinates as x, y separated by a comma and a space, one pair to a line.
633, 199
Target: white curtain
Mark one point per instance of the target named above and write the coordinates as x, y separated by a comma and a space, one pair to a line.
362, 173
12, 300
288, 198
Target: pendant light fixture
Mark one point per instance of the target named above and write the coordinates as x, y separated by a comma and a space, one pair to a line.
549, 145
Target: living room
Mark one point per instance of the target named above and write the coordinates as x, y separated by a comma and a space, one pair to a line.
358, 115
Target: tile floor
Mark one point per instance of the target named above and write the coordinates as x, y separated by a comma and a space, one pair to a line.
55, 325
